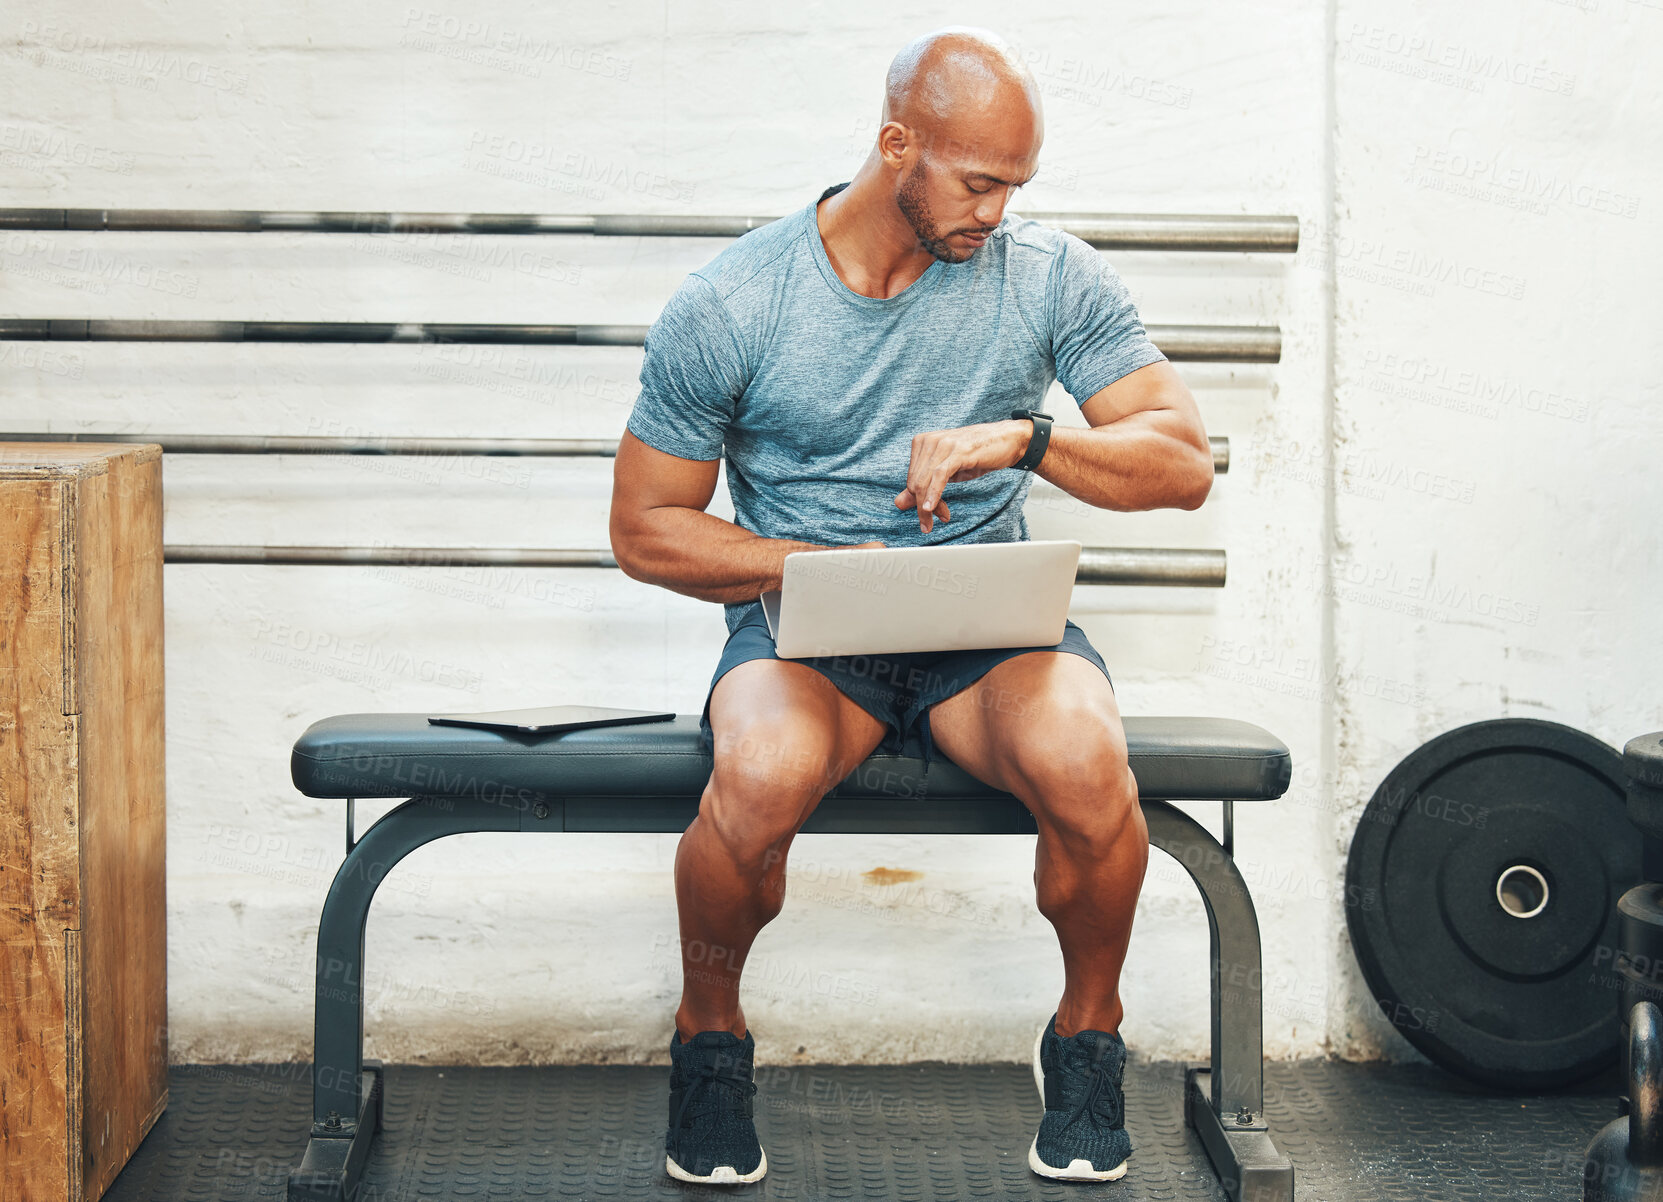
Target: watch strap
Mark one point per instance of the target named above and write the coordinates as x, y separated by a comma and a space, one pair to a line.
1037, 442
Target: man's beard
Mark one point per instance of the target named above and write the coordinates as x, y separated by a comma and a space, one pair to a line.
910, 200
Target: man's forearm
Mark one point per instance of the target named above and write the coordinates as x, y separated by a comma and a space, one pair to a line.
704, 556
1144, 461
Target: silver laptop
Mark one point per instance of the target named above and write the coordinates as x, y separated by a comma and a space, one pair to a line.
848, 601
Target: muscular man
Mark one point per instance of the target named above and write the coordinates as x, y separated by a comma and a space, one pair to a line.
859, 362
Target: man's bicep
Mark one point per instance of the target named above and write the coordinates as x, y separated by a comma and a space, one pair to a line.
647, 481
1154, 386
644, 478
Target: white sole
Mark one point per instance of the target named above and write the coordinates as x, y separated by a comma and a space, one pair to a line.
1077, 1170
1039, 1069
722, 1174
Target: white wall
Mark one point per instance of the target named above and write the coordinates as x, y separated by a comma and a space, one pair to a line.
1497, 235
496, 949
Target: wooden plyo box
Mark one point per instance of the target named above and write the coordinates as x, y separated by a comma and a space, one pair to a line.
83, 918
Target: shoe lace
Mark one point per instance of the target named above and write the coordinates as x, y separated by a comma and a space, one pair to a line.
1101, 1089
713, 1076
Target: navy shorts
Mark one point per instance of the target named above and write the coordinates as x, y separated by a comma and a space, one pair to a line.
898, 689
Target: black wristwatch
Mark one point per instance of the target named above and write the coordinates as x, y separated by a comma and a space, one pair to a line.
1040, 439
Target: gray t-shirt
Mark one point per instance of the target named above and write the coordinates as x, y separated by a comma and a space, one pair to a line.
815, 391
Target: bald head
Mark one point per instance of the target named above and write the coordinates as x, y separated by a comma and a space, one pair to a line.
955, 76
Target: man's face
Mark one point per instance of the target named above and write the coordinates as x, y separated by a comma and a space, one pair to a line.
953, 204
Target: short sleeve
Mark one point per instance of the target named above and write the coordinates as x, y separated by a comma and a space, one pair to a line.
1096, 334
692, 375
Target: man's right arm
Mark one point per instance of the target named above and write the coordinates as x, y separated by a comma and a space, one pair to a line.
662, 535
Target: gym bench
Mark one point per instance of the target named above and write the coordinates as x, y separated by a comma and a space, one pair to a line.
650, 777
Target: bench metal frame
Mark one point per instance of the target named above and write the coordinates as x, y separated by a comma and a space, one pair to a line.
1223, 1101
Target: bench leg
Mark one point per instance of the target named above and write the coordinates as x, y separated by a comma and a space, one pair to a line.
334, 1160
1225, 1102
1247, 1163
347, 1089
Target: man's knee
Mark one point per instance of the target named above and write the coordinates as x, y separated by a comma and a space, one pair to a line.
1078, 778
767, 778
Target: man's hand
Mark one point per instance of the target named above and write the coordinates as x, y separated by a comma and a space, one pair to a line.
942, 457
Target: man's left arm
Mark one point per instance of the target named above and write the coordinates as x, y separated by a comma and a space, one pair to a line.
1146, 449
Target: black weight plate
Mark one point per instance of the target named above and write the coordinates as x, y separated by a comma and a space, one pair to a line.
1511, 1001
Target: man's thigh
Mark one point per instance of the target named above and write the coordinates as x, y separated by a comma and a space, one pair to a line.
1024, 708
777, 722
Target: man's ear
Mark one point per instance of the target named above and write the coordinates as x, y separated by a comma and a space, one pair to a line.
893, 141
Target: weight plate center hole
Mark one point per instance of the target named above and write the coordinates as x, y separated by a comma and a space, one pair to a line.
1522, 891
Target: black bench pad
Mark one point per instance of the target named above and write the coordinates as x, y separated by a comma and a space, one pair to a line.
402, 755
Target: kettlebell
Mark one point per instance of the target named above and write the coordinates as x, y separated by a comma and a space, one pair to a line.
1625, 1161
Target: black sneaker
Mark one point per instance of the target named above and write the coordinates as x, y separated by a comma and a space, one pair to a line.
1083, 1134
711, 1139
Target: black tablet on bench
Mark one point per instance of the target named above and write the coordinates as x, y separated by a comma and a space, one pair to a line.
550, 718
